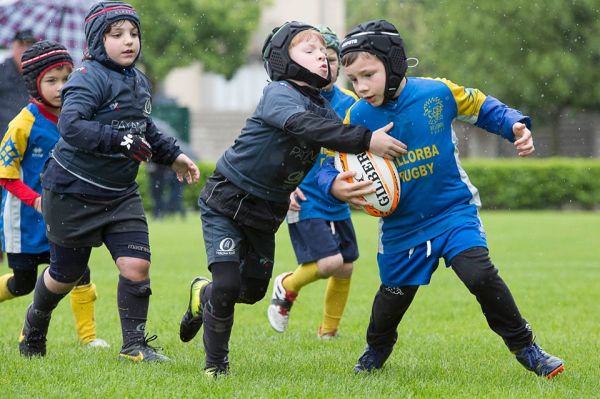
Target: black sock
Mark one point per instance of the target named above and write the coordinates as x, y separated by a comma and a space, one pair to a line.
44, 302
217, 332
133, 298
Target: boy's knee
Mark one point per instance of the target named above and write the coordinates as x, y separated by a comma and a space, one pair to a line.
135, 269
475, 268
330, 265
225, 293
22, 283
345, 271
253, 290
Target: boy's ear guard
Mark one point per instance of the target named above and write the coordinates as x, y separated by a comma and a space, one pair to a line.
380, 38
277, 60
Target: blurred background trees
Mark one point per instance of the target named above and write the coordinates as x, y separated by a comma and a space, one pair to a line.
175, 33
540, 57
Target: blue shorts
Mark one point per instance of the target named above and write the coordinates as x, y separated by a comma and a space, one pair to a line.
27, 262
416, 265
315, 239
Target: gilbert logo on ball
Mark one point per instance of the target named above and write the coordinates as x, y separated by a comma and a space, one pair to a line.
381, 172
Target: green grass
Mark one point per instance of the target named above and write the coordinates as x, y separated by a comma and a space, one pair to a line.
445, 349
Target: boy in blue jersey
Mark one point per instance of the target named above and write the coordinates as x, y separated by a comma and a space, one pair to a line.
247, 197
321, 230
89, 195
24, 149
438, 212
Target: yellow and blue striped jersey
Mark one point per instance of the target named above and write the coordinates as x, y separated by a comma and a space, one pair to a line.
24, 149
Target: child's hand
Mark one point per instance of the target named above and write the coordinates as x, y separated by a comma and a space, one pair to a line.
384, 145
185, 167
37, 204
524, 139
352, 193
133, 146
295, 197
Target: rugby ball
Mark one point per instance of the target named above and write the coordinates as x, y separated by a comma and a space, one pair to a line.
382, 172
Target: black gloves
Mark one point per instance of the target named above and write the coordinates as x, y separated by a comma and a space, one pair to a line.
133, 146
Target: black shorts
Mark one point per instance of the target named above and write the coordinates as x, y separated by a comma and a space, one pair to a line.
228, 241
80, 220
27, 262
315, 239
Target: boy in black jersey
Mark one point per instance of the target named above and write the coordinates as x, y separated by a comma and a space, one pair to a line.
90, 196
246, 198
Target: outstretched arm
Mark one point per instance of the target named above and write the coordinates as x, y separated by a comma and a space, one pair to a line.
524, 139
184, 167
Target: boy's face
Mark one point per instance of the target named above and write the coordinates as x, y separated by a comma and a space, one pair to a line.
311, 55
122, 43
52, 83
334, 65
367, 75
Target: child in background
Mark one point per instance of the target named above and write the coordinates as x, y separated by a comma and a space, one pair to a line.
247, 197
24, 149
321, 230
437, 216
90, 196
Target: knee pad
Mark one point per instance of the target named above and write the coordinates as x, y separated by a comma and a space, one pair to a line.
23, 282
253, 290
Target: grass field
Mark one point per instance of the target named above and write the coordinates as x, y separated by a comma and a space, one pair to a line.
445, 349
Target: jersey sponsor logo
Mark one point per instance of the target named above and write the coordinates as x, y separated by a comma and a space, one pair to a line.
226, 246
306, 155
433, 109
37, 152
115, 106
148, 107
9, 152
132, 126
408, 173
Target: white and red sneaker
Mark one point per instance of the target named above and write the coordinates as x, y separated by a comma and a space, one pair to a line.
281, 304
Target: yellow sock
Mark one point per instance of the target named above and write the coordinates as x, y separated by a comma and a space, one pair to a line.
5, 293
336, 296
303, 275
83, 303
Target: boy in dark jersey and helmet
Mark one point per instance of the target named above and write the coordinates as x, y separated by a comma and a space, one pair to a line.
246, 199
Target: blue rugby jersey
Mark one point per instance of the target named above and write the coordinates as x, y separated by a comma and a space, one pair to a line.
436, 193
24, 149
318, 206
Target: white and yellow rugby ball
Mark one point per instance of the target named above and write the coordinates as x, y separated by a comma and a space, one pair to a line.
381, 172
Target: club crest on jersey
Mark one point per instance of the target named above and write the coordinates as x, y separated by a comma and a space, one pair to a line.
433, 109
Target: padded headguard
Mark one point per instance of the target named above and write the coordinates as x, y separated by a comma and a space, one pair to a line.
100, 16
380, 38
276, 56
39, 59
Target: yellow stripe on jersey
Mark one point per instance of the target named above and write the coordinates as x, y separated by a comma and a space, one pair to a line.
347, 117
14, 144
349, 93
468, 101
